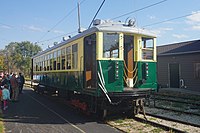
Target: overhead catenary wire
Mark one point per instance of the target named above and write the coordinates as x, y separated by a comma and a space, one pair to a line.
96, 13
156, 23
61, 20
148, 25
139, 9
171, 19
57, 37
39, 40
6, 25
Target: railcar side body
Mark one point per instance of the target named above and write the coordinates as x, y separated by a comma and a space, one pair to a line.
103, 68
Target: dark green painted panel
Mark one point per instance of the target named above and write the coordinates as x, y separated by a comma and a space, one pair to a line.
64, 80
112, 74
147, 80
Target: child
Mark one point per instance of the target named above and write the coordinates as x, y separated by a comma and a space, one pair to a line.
1, 99
5, 96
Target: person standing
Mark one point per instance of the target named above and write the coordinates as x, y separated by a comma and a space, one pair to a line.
1, 98
5, 96
9, 77
21, 83
15, 88
5, 80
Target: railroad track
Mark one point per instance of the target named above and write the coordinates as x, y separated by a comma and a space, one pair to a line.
167, 124
174, 120
179, 96
183, 101
157, 121
175, 104
159, 124
175, 110
136, 118
153, 123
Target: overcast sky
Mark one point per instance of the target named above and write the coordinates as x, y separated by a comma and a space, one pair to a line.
47, 21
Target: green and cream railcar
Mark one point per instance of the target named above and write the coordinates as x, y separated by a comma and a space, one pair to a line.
107, 67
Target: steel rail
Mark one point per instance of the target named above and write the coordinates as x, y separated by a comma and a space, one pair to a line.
190, 113
171, 119
178, 101
158, 125
175, 96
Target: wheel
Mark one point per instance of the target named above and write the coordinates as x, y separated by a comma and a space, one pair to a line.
130, 113
102, 114
135, 110
40, 89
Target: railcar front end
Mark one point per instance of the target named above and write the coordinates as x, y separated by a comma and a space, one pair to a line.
126, 70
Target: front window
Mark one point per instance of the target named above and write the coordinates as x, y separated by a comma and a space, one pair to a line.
147, 48
110, 45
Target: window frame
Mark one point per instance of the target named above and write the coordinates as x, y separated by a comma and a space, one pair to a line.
147, 53
68, 57
74, 58
110, 51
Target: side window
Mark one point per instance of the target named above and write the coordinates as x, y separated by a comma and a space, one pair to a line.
54, 62
147, 48
51, 61
58, 59
34, 65
63, 59
48, 61
147, 42
45, 62
37, 64
68, 57
41, 62
74, 56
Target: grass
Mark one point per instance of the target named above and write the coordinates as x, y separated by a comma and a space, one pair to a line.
1, 123
119, 121
1, 127
156, 130
152, 119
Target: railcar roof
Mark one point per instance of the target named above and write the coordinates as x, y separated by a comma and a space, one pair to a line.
107, 26
120, 27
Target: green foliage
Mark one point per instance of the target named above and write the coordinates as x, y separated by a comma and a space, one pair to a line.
18, 56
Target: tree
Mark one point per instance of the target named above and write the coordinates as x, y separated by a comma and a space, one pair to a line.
19, 56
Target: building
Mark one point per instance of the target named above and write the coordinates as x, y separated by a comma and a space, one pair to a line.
179, 65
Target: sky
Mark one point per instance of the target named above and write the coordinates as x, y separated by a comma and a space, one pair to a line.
47, 21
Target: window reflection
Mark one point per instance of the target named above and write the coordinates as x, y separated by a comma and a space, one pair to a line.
147, 48
68, 57
147, 42
74, 56
110, 45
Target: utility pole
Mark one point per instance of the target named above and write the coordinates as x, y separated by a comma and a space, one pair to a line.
79, 20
